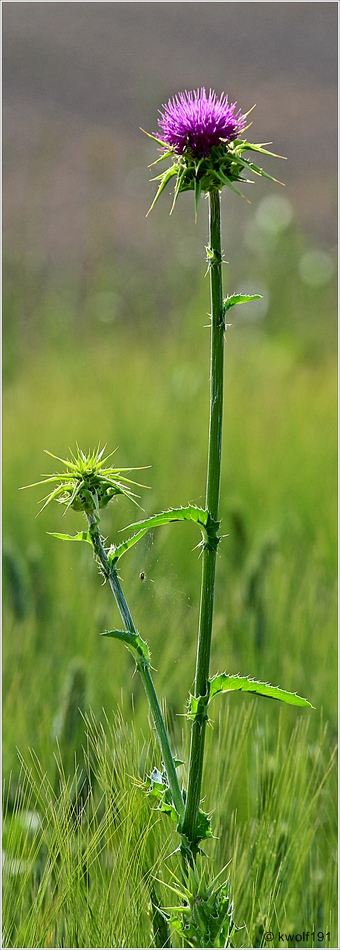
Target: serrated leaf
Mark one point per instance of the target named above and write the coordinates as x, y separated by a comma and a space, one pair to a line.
239, 298
191, 513
157, 787
197, 708
131, 639
81, 536
203, 827
223, 683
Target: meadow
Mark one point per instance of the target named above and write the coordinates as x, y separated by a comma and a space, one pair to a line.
84, 846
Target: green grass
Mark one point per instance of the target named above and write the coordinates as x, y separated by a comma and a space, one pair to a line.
267, 779
86, 864
81, 870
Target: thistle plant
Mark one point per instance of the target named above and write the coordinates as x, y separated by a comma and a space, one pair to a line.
200, 134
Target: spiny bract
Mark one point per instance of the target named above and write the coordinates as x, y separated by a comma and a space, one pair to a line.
200, 132
86, 485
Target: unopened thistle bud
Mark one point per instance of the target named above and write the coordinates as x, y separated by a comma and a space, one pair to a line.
86, 485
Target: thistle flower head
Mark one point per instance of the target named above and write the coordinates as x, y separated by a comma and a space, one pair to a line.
195, 122
87, 483
200, 133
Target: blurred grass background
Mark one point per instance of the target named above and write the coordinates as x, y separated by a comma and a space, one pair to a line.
104, 318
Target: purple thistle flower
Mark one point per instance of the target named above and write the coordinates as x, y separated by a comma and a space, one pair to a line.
195, 122
200, 132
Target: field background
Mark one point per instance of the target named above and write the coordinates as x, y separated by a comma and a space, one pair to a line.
105, 341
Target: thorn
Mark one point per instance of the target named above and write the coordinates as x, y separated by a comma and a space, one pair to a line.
249, 110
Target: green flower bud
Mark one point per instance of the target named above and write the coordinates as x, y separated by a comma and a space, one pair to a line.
86, 485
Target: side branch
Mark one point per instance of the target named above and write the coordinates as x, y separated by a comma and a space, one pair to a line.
132, 639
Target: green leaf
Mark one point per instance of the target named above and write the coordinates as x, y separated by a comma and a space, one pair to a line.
132, 640
190, 513
239, 298
81, 536
223, 683
203, 827
197, 708
157, 786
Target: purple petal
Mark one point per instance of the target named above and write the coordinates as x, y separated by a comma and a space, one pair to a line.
196, 122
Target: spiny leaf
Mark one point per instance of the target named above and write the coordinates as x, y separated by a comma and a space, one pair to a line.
203, 827
223, 683
197, 708
158, 787
81, 536
239, 298
190, 513
132, 640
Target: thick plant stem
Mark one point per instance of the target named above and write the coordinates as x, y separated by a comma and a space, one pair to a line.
212, 502
110, 573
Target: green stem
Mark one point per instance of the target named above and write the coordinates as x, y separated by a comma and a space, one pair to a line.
212, 502
142, 666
